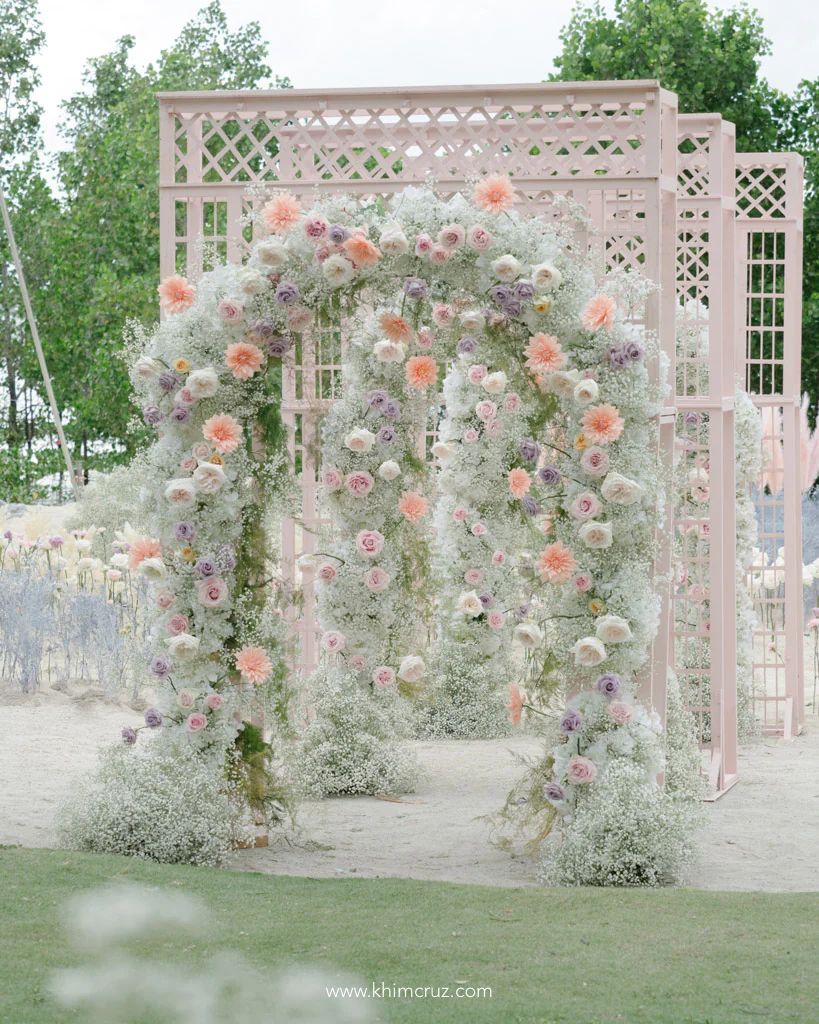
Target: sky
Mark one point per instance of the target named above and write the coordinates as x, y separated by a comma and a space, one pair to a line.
350, 43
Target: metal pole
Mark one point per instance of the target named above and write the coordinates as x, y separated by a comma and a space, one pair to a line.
76, 484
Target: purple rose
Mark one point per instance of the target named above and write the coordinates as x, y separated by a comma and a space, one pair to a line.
278, 347
128, 736
549, 475
524, 290
570, 721
264, 327
376, 399
168, 381
522, 610
184, 530
415, 288
386, 435
530, 505
634, 351
514, 307
610, 685
466, 345
617, 357
337, 234
287, 293
486, 599
501, 294
180, 414
529, 449
692, 418
153, 718
226, 558
554, 791
160, 665
392, 410
205, 567
152, 415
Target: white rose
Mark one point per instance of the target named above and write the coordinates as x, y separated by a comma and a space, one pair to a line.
152, 569
470, 604
506, 268
589, 652
411, 669
564, 382
596, 535
389, 470
146, 367
620, 490
546, 278
494, 383
183, 646
252, 282
472, 320
338, 271
272, 253
387, 351
209, 477
529, 634
611, 629
393, 240
203, 383
586, 392
181, 492
444, 451
119, 560
360, 440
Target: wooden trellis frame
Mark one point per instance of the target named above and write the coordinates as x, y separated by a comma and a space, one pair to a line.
611, 146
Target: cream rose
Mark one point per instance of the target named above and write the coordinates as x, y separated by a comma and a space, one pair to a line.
203, 383
389, 470
472, 320
252, 282
183, 646
411, 669
387, 351
393, 240
506, 268
494, 383
272, 253
611, 629
444, 451
563, 382
338, 271
146, 367
209, 477
151, 568
620, 490
588, 652
586, 392
546, 278
181, 492
360, 440
528, 634
470, 604
596, 535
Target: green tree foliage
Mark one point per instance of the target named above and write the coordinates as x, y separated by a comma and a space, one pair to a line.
711, 59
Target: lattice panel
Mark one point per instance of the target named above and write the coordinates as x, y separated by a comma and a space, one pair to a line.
764, 326
762, 190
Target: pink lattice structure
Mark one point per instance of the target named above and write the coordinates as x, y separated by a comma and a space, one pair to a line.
614, 147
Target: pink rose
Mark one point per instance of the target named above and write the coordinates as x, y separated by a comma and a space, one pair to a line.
202, 450
439, 255
471, 435
315, 228
512, 402
620, 712
594, 462
423, 245
425, 339
478, 238
585, 506
327, 573
443, 315
495, 619
486, 410
473, 577
460, 514
478, 530
214, 701
321, 254
384, 676
196, 722
184, 396
189, 464
332, 479
498, 558
494, 428
164, 599
185, 699
333, 642
580, 770
177, 624
583, 582
359, 483
476, 373
230, 310
369, 543
212, 591
377, 580
451, 237
357, 662
299, 318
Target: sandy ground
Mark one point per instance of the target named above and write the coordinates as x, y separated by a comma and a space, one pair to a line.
763, 834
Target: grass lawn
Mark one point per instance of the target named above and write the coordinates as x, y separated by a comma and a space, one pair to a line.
578, 956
